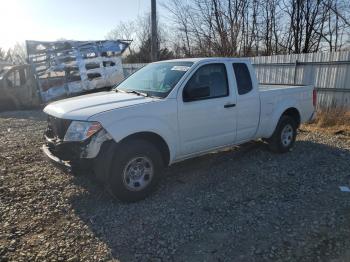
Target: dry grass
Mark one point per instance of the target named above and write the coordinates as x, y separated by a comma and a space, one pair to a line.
333, 118
336, 121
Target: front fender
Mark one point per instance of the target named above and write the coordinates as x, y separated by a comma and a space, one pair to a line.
123, 128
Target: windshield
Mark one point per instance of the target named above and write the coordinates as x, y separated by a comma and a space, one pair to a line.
156, 79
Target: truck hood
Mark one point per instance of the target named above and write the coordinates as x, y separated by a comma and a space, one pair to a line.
83, 107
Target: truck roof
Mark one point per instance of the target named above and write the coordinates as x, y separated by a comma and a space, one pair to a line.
208, 59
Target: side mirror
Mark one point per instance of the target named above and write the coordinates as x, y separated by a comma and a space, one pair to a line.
193, 94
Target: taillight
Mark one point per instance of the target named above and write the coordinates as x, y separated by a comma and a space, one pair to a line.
314, 97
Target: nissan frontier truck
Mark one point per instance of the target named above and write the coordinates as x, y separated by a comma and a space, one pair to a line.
170, 111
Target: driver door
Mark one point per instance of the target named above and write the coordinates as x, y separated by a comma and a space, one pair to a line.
207, 122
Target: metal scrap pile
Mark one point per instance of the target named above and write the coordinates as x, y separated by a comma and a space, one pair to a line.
66, 68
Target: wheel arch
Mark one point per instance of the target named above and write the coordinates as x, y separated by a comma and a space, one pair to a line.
153, 138
293, 113
290, 110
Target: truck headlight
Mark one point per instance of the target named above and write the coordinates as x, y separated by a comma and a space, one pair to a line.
81, 130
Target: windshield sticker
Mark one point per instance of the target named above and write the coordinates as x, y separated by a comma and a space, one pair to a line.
180, 68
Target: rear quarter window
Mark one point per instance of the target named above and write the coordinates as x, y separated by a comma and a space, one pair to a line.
243, 79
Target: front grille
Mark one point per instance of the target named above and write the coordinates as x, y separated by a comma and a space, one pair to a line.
56, 127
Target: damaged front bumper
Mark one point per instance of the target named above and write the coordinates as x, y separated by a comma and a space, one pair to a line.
55, 160
70, 154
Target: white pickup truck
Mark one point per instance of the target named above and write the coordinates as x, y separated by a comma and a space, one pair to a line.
170, 111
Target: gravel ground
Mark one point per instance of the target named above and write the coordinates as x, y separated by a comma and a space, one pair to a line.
245, 204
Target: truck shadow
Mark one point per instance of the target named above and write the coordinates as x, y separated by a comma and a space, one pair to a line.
226, 205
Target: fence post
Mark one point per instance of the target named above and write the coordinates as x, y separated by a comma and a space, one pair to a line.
295, 71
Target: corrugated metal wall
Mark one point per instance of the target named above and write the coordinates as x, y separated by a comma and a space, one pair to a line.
328, 72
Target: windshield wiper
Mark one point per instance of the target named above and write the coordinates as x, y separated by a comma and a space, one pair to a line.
132, 92
137, 93
119, 90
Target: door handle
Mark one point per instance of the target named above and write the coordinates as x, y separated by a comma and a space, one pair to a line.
229, 105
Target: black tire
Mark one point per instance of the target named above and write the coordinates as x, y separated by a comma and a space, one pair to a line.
276, 143
132, 151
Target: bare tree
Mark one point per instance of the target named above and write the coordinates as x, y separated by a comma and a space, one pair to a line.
17, 54
245, 27
2, 54
139, 32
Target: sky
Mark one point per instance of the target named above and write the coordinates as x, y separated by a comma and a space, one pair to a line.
49, 20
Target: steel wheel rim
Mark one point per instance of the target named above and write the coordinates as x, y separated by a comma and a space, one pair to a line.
287, 135
138, 173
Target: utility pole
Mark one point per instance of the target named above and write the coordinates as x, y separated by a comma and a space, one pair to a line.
154, 38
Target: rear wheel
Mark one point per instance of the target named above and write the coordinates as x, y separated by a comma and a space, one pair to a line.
284, 136
135, 171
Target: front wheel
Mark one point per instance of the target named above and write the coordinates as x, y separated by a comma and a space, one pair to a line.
135, 171
284, 136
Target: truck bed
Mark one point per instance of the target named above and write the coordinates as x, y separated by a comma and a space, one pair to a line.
267, 87
272, 92
274, 98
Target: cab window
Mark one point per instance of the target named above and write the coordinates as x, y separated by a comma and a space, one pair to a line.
213, 76
23, 76
14, 79
11, 79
